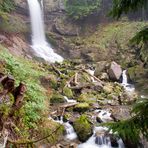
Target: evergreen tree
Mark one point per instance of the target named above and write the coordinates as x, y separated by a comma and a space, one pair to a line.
138, 123
79, 9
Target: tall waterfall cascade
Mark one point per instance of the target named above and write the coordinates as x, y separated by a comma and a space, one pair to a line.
39, 44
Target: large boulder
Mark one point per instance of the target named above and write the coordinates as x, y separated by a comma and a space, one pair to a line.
82, 107
115, 71
83, 128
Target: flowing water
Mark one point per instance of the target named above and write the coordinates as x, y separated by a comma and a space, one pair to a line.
70, 133
128, 87
100, 140
69, 100
39, 44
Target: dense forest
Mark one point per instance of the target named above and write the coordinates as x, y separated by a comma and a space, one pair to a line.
73, 74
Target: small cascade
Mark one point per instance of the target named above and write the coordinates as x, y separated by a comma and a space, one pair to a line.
69, 100
104, 115
100, 140
70, 133
39, 43
128, 87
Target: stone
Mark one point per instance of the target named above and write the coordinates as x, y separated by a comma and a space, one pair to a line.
82, 107
115, 71
83, 127
98, 119
100, 67
113, 140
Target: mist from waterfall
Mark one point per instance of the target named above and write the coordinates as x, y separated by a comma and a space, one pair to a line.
39, 44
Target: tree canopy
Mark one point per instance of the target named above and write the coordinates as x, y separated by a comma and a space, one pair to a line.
79, 9
138, 123
124, 6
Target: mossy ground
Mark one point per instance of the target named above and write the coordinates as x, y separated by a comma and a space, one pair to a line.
34, 113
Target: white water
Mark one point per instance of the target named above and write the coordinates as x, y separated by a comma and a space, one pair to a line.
100, 141
69, 100
128, 87
70, 133
91, 72
104, 115
39, 43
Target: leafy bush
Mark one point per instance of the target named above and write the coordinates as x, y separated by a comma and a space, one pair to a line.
6, 5
79, 9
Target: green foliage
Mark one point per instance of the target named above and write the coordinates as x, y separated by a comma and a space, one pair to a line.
29, 73
124, 6
141, 36
6, 5
135, 126
79, 9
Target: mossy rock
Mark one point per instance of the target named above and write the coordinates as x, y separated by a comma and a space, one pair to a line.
67, 116
87, 98
83, 128
57, 98
83, 98
68, 92
135, 73
82, 107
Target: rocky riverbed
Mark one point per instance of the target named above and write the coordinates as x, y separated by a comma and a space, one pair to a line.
84, 98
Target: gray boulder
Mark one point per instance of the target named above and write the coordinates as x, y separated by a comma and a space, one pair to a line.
115, 71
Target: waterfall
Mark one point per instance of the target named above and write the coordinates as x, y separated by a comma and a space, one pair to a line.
70, 133
39, 44
128, 87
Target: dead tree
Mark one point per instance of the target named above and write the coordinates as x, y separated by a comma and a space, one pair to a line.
8, 85
18, 94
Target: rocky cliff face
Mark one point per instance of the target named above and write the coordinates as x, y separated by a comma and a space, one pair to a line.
53, 5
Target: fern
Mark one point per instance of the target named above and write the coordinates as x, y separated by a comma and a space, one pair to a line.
135, 126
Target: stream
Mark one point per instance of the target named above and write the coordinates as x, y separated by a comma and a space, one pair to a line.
100, 138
